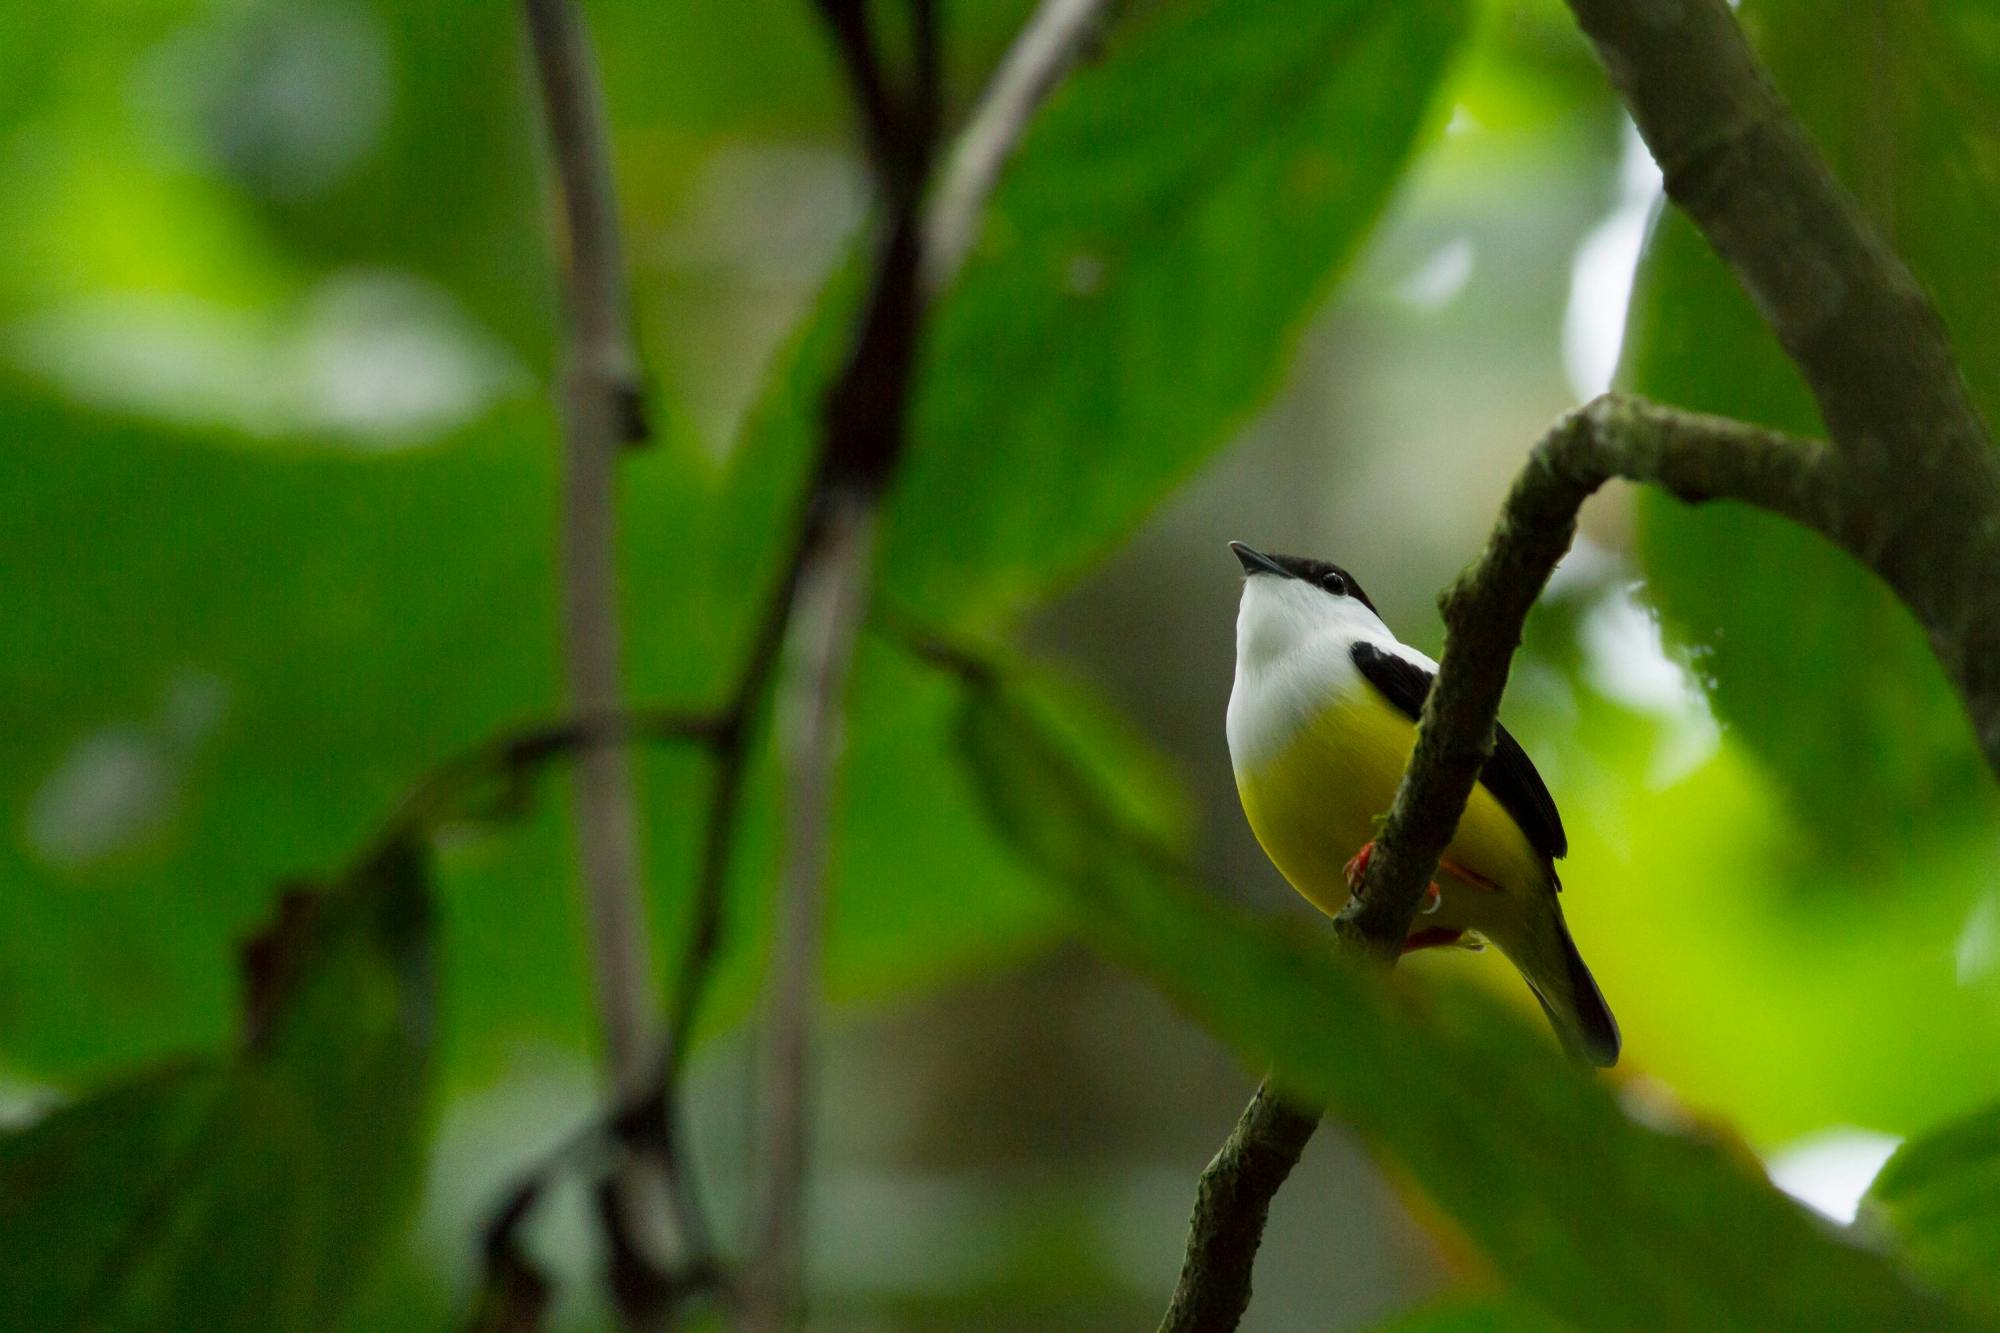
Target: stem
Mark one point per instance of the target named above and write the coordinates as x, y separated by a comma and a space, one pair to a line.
833, 596
1918, 467
598, 391
1231, 1205
600, 414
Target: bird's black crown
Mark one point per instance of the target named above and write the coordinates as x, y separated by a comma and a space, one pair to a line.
1321, 574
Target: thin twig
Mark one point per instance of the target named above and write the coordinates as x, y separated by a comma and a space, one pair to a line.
598, 391
506, 761
862, 442
809, 719
859, 450
1054, 37
599, 408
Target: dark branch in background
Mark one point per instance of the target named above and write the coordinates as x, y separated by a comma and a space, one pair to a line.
864, 438
809, 723
1909, 485
997, 120
601, 398
860, 447
827, 583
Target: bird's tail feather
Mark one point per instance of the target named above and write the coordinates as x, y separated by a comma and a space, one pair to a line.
1568, 993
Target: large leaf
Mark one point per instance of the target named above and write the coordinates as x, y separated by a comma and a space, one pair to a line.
224, 668
1174, 216
1595, 1217
1810, 660
1938, 1202
227, 656
254, 1193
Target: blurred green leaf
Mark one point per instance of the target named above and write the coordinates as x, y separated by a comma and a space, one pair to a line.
1483, 1314
1174, 215
261, 631
1809, 659
1937, 1201
279, 637
1585, 1211
263, 636
249, 1194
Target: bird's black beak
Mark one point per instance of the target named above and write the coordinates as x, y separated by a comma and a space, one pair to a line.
1256, 562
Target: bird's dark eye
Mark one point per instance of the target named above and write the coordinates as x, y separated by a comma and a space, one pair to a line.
1333, 583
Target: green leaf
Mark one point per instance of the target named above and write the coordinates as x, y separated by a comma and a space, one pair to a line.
1174, 216
252, 1193
266, 641
1905, 102
1937, 1201
1588, 1213
242, 645
1485, 1314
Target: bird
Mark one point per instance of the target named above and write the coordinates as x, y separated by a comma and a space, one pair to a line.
1322, 719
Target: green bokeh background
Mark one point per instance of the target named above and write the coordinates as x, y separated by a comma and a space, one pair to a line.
277, 536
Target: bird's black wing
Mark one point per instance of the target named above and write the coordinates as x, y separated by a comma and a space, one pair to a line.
1510, 775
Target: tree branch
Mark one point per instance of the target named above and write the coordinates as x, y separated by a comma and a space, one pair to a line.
1910, 484
1232, 1202
601, 415
598, 393
1692, 456
825, 623
1919, 470
860, 449
863, 442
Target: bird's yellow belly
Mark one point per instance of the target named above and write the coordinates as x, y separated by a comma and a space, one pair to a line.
1315, 803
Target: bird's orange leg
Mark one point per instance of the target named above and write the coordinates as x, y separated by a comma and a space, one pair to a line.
1356, 868
1471, 877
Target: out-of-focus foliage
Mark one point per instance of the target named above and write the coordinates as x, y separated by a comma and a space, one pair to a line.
1474, 1315
1136, 292
1812, 662
253, 1193
277, 314
1538, 1164
329, 583
1938, 1201
316, 384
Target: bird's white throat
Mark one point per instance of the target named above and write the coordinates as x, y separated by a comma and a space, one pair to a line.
1293, 658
